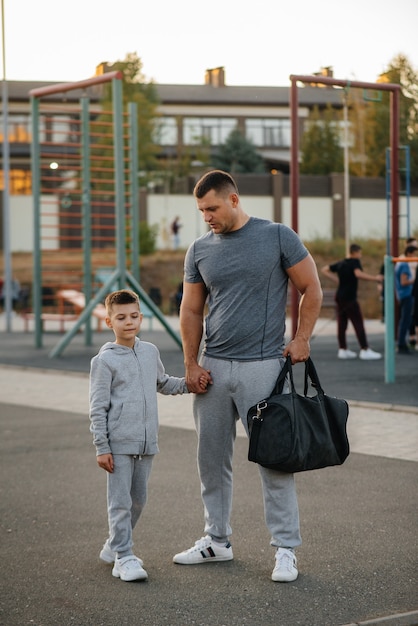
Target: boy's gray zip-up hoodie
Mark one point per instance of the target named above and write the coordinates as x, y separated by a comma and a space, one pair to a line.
123, 397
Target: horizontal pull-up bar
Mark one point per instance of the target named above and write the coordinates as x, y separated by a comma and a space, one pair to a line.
335, 82
82, 84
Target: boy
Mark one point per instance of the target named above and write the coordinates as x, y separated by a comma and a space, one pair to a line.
124, 378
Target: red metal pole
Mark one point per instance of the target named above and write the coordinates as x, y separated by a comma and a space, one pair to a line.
394, 165
394, 141
89, 82
335, 82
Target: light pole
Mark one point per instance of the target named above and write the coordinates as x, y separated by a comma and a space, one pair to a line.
347, 218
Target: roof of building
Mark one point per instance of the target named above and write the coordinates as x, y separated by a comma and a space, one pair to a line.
202, 94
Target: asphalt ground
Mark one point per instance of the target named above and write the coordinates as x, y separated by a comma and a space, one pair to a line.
354, 379
358, 560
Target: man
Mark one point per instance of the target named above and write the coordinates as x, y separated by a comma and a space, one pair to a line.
412, 241
241, 269
404, 281
346, 274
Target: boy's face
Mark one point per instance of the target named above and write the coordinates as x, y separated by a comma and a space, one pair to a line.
125, 321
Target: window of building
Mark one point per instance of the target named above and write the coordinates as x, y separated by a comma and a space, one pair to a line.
268, 132
166, 133
20, 182
213, 130
55, 129
19, 128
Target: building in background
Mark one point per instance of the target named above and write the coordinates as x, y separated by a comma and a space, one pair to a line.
190, 115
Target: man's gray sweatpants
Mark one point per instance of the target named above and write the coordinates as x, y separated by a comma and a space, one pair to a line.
238, 385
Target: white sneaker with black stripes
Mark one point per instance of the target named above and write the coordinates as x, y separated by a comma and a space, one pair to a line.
205, 550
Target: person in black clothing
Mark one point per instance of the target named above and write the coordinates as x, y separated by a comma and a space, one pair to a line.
415, 296
346, 274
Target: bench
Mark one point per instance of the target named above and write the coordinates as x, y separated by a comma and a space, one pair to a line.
48, 317
78, 301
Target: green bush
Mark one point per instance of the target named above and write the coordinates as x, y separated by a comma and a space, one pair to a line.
147, 238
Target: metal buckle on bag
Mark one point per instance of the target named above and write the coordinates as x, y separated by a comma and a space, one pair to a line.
260, 407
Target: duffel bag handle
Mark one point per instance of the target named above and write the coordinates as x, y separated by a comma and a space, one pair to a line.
286, 369
310, 373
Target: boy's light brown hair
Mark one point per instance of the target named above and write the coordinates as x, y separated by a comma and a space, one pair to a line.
122, 296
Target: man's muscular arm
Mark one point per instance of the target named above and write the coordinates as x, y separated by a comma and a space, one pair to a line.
191, 327
304, 276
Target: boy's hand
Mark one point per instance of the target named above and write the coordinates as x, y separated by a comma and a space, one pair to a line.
205, 380
105, 461
198, 379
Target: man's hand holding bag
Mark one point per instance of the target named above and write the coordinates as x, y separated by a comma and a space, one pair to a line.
294, 433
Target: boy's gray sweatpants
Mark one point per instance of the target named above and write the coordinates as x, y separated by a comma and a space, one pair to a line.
126, 498
237, 386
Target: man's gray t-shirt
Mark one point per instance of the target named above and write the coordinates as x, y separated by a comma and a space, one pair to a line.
244, 274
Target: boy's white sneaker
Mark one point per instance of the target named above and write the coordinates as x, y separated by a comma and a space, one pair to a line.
346, 354
107, 555
129, 568
205, 550
369, 355
285, 570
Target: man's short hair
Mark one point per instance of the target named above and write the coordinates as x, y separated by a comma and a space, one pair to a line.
219, 181
354, 248
122, 296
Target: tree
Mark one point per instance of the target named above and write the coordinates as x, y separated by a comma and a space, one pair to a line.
238, 155
321, 149
370, 121
136, 90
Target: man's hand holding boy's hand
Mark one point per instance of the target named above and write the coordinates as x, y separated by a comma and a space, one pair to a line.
105, 461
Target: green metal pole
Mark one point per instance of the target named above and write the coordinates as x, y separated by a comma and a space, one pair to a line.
37, 271
156, 311
86, 210
133, 145
389, 320
119, 179
85, 315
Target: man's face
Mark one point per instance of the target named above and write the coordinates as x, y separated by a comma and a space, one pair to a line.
220, 212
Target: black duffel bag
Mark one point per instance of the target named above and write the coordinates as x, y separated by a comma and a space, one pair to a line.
294, 433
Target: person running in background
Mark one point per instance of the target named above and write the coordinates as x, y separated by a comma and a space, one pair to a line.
346, 273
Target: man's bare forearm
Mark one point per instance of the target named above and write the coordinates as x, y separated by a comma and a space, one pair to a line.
309, 310
191, 327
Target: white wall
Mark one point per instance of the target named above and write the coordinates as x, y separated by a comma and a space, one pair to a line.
368, 218
314, 217
21, 223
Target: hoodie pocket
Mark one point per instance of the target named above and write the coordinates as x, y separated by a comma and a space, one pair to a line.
129, 425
